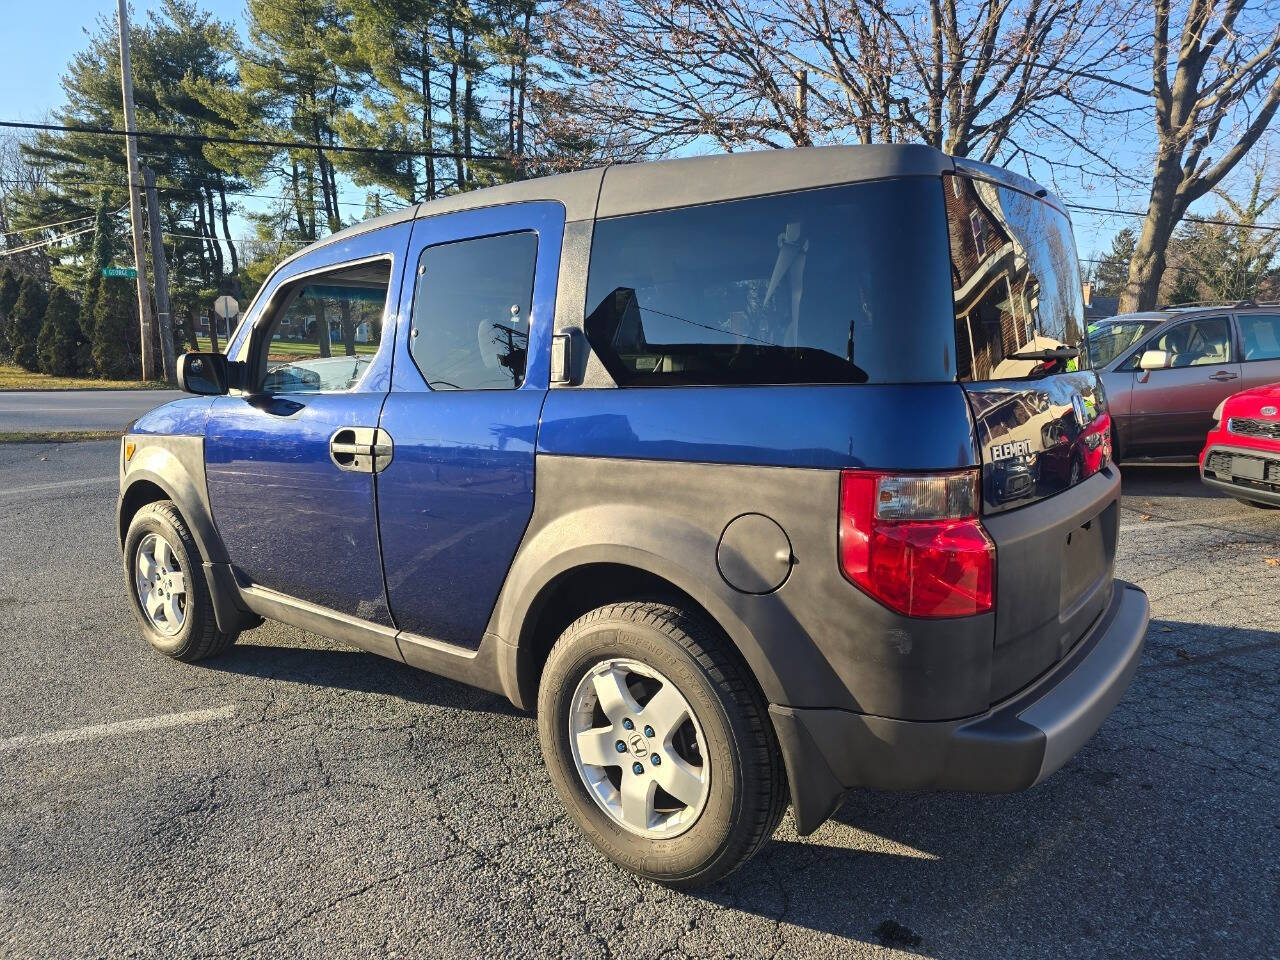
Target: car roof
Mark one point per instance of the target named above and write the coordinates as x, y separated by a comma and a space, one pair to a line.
1177, 312
623, 189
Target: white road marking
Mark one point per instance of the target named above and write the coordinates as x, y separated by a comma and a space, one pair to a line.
1195, 522
56, 485
122, 728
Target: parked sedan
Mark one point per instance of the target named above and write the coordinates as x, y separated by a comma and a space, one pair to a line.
1165, 371
1242, 453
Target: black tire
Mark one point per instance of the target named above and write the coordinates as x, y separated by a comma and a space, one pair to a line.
1259, 504
199, 636
747, 793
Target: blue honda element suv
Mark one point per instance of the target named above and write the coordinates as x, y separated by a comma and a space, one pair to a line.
761, 478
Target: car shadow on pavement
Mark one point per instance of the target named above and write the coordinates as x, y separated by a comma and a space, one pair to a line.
1156, 808
356, 671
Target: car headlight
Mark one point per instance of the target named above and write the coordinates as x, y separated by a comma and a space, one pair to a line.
1217, 413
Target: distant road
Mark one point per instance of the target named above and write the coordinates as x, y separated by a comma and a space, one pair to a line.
77, 409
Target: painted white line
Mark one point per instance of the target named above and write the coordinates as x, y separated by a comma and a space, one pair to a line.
57, 485
1196, 522
123, 728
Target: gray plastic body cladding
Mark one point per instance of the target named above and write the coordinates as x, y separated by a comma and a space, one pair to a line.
817, 641
1013, 746
1032, 631
175, 464
482, 667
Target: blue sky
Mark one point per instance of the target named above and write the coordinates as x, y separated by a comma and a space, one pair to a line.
40, 36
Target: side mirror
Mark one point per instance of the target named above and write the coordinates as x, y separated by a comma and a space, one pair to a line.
203, 373
1153, 360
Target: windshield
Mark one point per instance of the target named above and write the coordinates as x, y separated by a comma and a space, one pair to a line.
1015, 282
1108, 340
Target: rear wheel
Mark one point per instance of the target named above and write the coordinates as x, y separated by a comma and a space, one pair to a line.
659, 743
166, 584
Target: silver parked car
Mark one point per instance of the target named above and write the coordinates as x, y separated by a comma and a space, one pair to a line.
1166, 371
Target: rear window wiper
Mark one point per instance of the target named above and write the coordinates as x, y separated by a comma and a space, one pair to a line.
1061, 353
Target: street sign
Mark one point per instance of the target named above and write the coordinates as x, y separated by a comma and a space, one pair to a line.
226, 307
129, 273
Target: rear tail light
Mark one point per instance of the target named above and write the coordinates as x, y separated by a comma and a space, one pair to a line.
914, 542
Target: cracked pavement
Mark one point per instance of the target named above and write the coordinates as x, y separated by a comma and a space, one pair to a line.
352, 806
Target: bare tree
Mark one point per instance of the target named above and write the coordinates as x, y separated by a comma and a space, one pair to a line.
21, 179
988, 79
1219, 99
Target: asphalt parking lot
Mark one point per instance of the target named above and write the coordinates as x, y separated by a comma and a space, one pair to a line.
301, 798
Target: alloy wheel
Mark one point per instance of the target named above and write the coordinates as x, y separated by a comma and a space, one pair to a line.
639, 748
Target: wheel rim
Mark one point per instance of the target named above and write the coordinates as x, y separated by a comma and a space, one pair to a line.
161, 585
629, 703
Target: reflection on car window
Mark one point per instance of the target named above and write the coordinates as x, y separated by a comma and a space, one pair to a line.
1259, 335
327, 335
1198, 343
1015, 278
1108, 340
471, 312
837, 285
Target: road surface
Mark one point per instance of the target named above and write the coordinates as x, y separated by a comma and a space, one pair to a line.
40, 410
299, 798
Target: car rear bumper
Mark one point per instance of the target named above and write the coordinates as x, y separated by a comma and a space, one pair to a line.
1014, 745
1261, 491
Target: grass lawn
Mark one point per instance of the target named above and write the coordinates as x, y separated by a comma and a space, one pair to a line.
297, 348
58, 436
13, 377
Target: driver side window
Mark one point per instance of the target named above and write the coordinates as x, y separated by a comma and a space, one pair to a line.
325, 333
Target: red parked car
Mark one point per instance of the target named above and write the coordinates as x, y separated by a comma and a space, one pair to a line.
1242, 453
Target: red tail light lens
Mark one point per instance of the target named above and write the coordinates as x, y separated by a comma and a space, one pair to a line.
914, 542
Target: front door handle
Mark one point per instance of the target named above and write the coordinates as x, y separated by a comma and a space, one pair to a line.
361, 449
1223, 375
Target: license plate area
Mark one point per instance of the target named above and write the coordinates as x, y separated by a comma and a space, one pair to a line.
1084, 564
1248, 468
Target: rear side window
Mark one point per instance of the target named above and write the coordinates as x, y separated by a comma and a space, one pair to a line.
838, 285
1259, 336
1015, 278
471, 312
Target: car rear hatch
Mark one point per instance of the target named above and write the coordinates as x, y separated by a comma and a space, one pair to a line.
1050, 494
1051, 501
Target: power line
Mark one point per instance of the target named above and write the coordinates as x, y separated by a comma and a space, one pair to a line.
387, 201
47, 226
8, 252
241, 141
1211, 221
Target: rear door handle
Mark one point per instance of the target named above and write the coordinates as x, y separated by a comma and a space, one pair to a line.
1222, 375
361, 449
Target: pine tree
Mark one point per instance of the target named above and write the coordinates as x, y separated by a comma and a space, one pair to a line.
117, 353
59, 346
1112, 270
100, 256
8, 297
24, 327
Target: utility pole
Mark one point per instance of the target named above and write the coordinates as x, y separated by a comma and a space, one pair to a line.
163, 319
135, 197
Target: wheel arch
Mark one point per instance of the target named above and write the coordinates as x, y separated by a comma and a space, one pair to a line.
537, 604
170, 468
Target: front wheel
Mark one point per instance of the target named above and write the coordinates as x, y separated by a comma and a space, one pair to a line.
659, 743
166, 584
